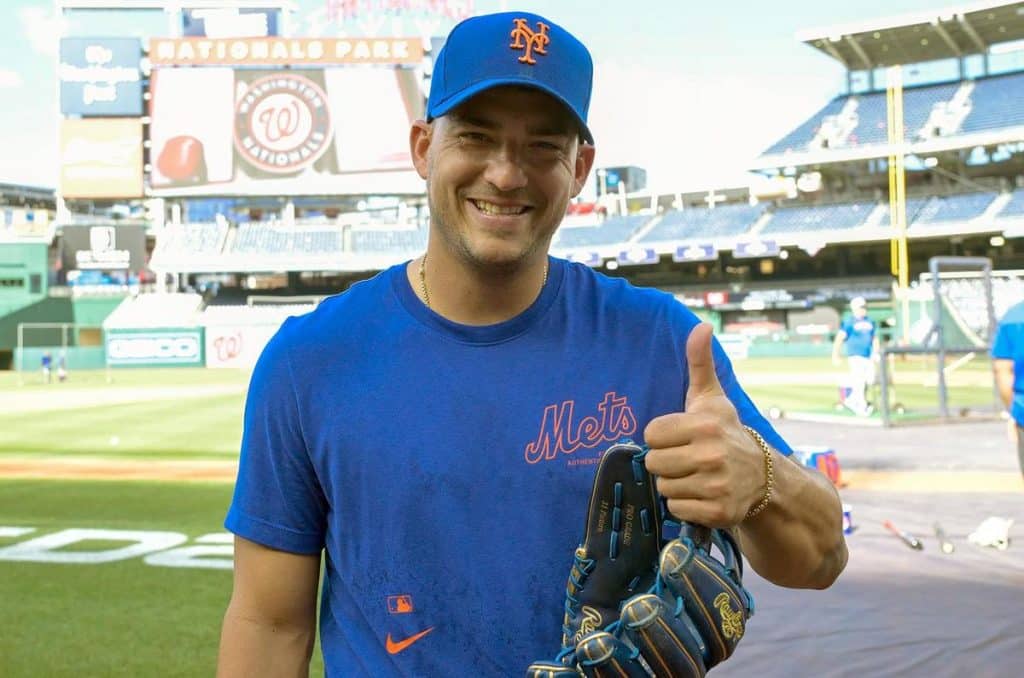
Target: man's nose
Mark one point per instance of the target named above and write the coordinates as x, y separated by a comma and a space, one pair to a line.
505, 171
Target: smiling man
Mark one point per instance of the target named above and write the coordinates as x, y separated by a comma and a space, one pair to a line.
432, 433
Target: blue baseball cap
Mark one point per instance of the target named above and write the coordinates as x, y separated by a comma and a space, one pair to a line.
512, 48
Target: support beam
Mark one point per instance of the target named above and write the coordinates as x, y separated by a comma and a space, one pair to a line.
859, 51
979, 44
831, 49
947, 38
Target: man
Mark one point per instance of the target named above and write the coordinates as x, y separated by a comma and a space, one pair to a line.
857, 335
433, 431
1008, 362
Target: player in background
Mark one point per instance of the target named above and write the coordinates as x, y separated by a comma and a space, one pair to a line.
1008, 363
858, 337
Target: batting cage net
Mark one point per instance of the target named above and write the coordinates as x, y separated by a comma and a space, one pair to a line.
944, 370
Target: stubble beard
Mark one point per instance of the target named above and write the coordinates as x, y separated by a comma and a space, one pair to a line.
458, 244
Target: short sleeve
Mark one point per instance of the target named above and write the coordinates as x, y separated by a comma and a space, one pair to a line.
278, 500
1002, 347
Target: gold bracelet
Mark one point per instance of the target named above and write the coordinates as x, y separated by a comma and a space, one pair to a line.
769, 473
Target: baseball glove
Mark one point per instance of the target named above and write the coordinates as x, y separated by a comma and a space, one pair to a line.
636, 606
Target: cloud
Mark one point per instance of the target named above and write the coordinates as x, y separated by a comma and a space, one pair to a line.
42, 28
9, 79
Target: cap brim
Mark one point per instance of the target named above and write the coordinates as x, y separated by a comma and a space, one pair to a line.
471, 91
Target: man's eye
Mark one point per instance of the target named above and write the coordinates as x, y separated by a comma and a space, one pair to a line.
474, 137
547, 146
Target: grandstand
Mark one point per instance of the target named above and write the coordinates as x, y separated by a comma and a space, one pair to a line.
812, 229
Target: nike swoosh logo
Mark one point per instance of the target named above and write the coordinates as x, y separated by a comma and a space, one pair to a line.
394, 647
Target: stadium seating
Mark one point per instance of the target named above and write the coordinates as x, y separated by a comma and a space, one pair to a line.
394, 241
701, 223
1014, 209
996, 102
182, 240
918, 102
817, 218
952, 209
801, 137
608, 232
277, 238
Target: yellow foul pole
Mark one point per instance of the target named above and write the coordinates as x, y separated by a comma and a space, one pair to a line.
898, 254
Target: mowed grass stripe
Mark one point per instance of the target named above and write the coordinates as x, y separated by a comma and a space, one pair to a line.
208, 427
124, 618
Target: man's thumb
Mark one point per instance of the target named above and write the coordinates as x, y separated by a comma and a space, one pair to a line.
701, 363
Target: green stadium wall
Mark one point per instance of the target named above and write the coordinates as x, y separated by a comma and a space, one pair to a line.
23, 275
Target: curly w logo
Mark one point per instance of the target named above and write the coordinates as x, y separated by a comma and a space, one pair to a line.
528, 40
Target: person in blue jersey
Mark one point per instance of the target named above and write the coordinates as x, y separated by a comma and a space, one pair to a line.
857, 337
1008, 361
424, 444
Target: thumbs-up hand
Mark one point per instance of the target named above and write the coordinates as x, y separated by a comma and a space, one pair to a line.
708, 467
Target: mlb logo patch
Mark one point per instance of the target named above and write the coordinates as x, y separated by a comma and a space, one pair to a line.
400, 604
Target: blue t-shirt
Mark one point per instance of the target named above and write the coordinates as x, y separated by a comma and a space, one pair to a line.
860, 336
1009, 345
445, 469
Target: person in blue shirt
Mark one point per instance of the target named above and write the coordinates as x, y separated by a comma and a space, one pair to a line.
857, 337
427, 440
1008, 362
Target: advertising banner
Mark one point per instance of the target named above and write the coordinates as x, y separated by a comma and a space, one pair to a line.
155, 348
236, 345
103, 248
271, 51
100, 76
278, 132
101, 158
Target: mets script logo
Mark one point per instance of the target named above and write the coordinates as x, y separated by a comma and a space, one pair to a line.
561, 433
528, 40
282, 123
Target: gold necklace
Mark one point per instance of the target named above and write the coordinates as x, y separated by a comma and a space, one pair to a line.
423, 278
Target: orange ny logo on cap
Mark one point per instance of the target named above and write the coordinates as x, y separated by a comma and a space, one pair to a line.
535, 41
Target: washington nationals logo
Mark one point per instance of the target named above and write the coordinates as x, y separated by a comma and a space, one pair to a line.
732, 621
528, 40
282, 123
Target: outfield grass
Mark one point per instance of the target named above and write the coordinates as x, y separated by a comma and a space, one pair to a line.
193, 428
124, 618
84, 379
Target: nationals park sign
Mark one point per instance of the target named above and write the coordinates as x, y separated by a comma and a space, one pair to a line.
213, 551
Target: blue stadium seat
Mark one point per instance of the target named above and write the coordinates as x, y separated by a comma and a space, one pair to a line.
818, 218
798, 139
953, 208
609, 232
395, 241
996, 102
872, 126
1014, 208
702, 223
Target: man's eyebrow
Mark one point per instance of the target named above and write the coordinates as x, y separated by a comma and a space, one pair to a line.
542, 129
472, 121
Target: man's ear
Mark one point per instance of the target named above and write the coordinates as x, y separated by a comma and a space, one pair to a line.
584, 161
419, 144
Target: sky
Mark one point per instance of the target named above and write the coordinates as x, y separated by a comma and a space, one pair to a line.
692, 91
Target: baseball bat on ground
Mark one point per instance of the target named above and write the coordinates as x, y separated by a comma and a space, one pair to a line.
944, 543
907, 538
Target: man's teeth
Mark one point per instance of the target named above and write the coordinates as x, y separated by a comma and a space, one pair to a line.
491, 208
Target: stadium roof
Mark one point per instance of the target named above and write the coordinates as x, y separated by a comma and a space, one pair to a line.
952, 32
20, 194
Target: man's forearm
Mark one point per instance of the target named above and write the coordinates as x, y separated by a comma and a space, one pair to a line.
251, 648
797, 541
1004, 381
